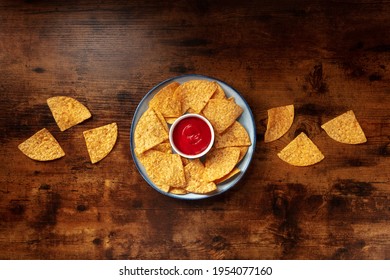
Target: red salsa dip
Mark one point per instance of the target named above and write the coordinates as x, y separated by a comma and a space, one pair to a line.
191, 136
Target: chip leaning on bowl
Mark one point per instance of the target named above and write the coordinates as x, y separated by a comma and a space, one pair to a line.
177, 174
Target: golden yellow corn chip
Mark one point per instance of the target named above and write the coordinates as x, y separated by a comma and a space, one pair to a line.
345, 129
162, 120
222, 113
228, 176
67, 111
179, 191
100, 141
279, 122
220, 162
235, 135
219, 93
301, 152
164, 147
163, 169
195, 183
42, 146
243, 151
149, 132
170, 120
195, 94
166, 101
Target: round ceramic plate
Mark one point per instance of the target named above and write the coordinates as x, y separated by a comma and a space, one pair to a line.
246, 119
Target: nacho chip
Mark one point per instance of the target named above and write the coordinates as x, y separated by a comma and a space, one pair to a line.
222, 113
164, 147
220, 162
345, 129
170, 120
195, 94
279, 122
235, 135
149, 132
100, 141
178, 191
228, 176
166, 101
162, 120
194, 178
163, 169
243, 151
67, 111
219, 93
301, 152
42, 146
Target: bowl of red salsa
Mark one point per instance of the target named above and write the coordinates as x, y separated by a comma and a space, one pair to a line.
191, 136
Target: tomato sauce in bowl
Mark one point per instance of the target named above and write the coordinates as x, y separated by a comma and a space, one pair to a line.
191, 136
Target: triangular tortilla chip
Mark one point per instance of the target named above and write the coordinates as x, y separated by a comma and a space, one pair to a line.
195, 94
100, 141
166, 101
236, 135
42, 146
149, 132
222, 113
345, 129
194, 178
231, 174
220, 162
279, 122
301, 152
164, 169
219, 93
67, 111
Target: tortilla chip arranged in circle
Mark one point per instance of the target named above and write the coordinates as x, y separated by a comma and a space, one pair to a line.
149, 132
100, 141
220, 162
301, 152
167, 102
235, 135
164, 169
67, 111
42, 146
345, 129
222, 113
279, 122
194, 178
195, 94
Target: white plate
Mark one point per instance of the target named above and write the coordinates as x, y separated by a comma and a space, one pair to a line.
246, 119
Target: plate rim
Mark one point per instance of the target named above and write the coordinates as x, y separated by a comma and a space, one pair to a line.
198, 196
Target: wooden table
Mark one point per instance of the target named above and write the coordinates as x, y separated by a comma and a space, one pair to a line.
323, 57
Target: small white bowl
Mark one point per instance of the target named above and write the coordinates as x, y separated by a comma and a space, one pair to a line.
173, 126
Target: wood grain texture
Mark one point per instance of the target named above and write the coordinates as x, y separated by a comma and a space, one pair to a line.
323, 57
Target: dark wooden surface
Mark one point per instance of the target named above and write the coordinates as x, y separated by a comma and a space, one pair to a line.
325, 57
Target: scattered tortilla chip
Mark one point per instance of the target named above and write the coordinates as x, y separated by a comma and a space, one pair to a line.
279, 122
100, 141
220, 162
301, 152
149, 132
222, 113
42, 146
219, 93
67, 111
345, 129
163, 169
228, 176
166, 101
195, 94
194, 178
235, 135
